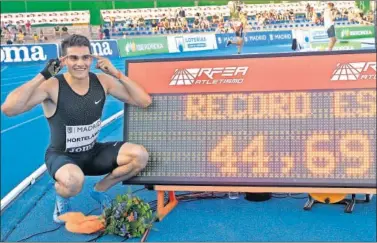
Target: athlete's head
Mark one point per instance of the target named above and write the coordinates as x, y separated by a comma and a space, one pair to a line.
76, 50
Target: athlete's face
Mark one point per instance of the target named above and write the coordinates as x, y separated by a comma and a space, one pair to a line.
78, 61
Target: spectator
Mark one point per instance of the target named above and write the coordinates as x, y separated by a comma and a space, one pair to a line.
292, 16
154, 26
215, 19
57, 31
14, 34
132, 23
220, 28
196, 24
6, 33
166, 25
35, 37
141, 22
197, 15
28, 27
182, 13
184, 26
106, 31
20, 37
173, 25
41, 35
308, 11
100, 33
204, 24
64, 32
112, 23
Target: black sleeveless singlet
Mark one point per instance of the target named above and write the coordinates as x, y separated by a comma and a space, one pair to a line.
76, 123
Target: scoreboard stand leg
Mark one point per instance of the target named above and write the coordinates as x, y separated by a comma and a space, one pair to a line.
309, 204
350, 203
162, 209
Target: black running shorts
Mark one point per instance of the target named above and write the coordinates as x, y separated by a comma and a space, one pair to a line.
331, 31
100, 160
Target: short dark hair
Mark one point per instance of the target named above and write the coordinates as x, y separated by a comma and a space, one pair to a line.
74, 40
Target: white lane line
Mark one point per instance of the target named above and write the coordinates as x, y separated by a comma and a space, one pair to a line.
3, 69
30, 180
20, 124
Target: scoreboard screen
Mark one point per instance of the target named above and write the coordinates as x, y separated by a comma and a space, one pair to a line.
267, 120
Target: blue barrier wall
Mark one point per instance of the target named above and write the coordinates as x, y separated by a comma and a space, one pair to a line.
43, 52
261, 38
28, 53
106, 48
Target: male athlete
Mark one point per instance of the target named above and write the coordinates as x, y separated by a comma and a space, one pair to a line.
238, 28
329, 16
73, 103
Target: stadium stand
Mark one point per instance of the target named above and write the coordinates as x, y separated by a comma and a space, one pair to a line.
45, 25
120, 22
147, 21
47, 18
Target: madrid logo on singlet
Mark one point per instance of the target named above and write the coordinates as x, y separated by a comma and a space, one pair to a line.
83, 137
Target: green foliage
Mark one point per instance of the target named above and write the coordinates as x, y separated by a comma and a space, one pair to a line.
129, 216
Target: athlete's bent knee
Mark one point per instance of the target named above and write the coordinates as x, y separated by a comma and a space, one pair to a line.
141, 157
73, 182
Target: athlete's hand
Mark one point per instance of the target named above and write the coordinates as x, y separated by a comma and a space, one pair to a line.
52, 67
106, 66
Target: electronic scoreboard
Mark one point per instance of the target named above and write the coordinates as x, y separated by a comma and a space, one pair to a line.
302, 119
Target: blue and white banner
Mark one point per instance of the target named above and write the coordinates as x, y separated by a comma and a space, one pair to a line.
28, 53
199, 42
260, 38
280, 37
106, 48
318, 35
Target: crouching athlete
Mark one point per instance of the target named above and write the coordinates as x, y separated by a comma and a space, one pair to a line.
72, 104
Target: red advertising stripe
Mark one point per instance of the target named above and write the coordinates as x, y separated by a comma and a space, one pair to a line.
317, 72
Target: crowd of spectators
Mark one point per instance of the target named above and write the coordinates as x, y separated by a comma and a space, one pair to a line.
351, 14
19, 34
174, 22
202, 21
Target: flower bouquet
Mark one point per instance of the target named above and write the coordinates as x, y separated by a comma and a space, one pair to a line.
129, 217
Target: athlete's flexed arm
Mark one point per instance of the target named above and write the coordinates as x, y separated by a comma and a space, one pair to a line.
32, 93
120, 86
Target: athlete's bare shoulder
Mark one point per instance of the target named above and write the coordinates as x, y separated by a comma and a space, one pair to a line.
51, 86
104, 79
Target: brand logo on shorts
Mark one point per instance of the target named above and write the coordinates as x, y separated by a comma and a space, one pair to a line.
208, 76
355, 71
